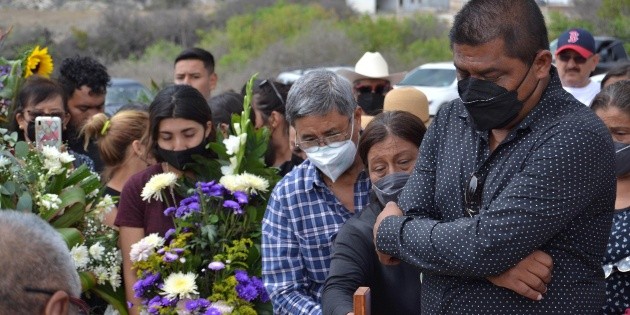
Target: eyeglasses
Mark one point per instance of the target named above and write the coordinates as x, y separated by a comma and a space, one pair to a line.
378, 88
83, 308
472, 195
35, 114
273, 86
576, 58
333, 141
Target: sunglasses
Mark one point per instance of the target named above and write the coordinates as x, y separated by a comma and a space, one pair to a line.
378, 89
472, 195
273, 86
82, 307
576, 58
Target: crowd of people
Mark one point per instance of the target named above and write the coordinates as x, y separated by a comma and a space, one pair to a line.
514, 198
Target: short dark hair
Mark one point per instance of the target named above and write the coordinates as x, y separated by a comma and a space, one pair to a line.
401, 124
269, 101
35, 90
615, 95
224, 105
177, 101
196, 53
519, 23
618, 71
78, 71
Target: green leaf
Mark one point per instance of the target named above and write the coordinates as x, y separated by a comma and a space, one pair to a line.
88, 280
71, 236
71, 216
8, 188
78, 175
114, 298
21, 149
25, 202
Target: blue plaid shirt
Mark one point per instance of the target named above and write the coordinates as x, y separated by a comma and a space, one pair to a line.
301, 221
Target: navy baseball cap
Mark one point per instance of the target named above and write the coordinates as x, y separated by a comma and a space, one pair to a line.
577, 39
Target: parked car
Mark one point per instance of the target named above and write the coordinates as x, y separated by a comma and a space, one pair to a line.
438, 81
610, 49
123, 91
288, 77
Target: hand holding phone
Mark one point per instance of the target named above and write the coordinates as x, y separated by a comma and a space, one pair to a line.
48, 131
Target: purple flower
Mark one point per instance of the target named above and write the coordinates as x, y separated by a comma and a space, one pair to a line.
178, 251
246, 292
197, 305
169, 211
145, 283
170, 257
169, 233
154, 305
241, 197
233, 205
260, 287
241, 276
187, 201
212, 311
212, 189
216, 265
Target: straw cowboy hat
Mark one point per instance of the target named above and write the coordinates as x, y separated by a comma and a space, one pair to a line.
371, 66
407, 99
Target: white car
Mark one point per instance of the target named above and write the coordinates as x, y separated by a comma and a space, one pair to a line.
438, 81
289, 77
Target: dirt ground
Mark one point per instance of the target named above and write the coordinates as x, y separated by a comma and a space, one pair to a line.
58, 21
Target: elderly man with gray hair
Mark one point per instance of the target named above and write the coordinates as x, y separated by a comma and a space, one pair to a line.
309, 205
38, 273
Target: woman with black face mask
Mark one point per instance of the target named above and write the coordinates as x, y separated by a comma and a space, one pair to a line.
180, 126
40, 96
612, 105
389, 148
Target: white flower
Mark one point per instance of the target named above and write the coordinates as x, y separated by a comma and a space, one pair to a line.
237, 128
254, 183
232, 145
96, 251
65, 157
231, 182
50, 202
103, 207
80, 256
101, 274
156, 184
115, 280
229, 169
4, 161
180, 285
54, 167
243, 137
141, 250
223, 307
50, 153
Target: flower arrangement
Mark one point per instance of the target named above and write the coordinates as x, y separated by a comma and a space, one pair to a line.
35, 60
47, 183
210, 262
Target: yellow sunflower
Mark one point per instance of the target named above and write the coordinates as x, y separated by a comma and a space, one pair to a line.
39, 62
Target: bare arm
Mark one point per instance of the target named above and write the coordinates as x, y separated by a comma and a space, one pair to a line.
128, 237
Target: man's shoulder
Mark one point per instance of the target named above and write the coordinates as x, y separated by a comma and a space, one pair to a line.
300, 178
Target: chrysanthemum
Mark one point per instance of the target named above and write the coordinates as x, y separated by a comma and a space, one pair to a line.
141, 250
180, 285
255, 183
96, 251
231, 182
80, 256
38, 62
153, 188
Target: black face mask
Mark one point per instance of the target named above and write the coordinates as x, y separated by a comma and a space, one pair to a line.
30, 131
622, 159
490, 106
179, 159
389, 187
371, 103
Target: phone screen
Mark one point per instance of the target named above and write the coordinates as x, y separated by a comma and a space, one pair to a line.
48, 131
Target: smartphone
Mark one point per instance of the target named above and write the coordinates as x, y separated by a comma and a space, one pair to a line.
48, 131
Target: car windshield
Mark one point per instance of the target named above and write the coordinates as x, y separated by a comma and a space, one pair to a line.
430, 77
124, 93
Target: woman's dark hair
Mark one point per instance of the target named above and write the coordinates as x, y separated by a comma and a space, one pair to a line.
177, 101
224, 105
272, 97
396, 123
615, 95
35, 90
619, 71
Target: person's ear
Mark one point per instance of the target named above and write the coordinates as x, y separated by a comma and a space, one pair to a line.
213, 81
138, 148
275, 119
594, 61
66, 120
542, 64
209, 128
21, 121
358, 112
58, 304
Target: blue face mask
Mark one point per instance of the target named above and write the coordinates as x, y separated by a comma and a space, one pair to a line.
622, 159
389, 187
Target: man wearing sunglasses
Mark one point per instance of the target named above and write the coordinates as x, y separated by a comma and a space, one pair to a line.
576, 60
371, 80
